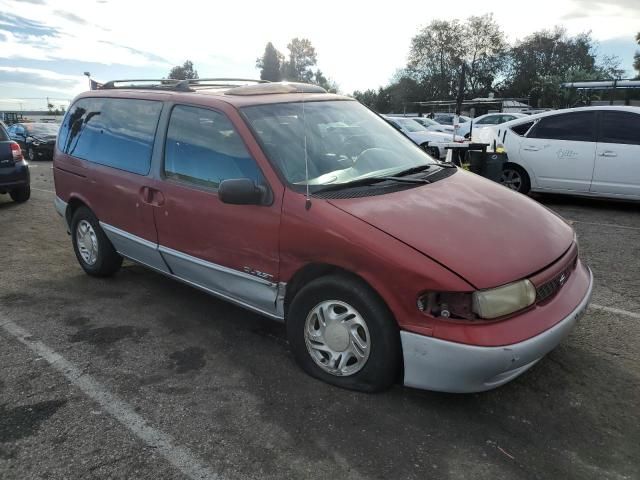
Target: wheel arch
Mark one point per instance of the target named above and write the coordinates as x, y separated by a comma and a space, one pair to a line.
312, 271
73, 204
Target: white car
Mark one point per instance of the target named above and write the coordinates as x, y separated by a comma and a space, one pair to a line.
432, 125
487, 120
433, 142
590, 151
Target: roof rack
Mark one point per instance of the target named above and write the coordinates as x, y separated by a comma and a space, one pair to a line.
177, 85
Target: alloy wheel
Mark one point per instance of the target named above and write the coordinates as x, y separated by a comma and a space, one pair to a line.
511, 179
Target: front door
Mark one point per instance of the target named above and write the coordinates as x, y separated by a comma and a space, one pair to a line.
560, 151
229, 250
617, 168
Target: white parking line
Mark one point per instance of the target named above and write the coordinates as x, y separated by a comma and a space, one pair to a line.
617, 311
610, 225
180, 457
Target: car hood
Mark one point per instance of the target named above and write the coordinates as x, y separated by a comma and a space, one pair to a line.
483, 231
44, 138
429, 136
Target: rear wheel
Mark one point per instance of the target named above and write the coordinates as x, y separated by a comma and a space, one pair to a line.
94, 251
31, 154
432, 151
341, 332
515, 178
21, 194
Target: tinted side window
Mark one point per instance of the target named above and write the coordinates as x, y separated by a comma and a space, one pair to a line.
522, 129
203, 147
577, 126
3, 134
115, 132
620, 127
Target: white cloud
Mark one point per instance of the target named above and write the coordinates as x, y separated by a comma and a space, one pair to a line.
359, 43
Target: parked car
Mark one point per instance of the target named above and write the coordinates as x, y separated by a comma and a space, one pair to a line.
433, 142
308, 208
14, 171
590, 151
432, 125
487, 120
35, 139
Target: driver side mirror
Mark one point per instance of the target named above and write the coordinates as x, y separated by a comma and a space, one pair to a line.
242, 191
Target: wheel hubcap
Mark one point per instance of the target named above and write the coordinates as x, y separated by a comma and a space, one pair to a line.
31, 154
87, 242
511, 179
337, 338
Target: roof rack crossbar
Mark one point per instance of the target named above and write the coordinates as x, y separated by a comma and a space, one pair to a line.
173, 84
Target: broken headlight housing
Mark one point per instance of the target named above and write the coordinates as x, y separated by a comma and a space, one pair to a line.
481, 304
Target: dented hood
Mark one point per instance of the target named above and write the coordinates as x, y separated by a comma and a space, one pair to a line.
483, 231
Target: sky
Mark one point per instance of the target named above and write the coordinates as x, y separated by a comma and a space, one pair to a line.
46, 45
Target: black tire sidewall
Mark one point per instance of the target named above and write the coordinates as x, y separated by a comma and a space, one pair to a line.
20, 195
383, 365
108, 261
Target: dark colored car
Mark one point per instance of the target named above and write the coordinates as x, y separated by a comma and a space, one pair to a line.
309, 208
14, 171
35, 139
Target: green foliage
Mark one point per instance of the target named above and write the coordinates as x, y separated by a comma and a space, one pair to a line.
636, 57
183, 72
297, 67
270, 64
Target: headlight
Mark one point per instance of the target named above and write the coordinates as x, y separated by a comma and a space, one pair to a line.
504, 300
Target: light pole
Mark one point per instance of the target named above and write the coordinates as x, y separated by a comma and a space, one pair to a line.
88, 74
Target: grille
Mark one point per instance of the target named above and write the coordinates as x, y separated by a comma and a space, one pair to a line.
549, 289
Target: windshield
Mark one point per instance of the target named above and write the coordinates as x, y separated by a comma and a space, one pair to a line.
345, 141
410, 125
42, 128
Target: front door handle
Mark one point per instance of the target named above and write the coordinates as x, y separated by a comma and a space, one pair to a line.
531, 148
151, 196
608, 153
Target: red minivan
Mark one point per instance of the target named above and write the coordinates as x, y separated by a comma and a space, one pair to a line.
385, 264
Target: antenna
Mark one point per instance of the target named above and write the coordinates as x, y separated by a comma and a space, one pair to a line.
307, 203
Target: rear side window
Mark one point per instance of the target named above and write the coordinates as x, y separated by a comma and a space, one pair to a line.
576, 126
115, 132
620, 127
204, 148
3, 134
522, 129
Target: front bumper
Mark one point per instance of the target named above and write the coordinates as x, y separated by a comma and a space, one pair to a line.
440, 365
14, 176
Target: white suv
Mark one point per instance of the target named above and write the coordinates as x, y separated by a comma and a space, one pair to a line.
592, 151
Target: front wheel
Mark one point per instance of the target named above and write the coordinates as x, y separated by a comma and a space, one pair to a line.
432, 151
515, 178
341, 332
31, 154
94, 251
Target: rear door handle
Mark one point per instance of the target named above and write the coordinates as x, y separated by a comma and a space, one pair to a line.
608, 153
531, 148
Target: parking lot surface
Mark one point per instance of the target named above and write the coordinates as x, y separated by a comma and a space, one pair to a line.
140, 377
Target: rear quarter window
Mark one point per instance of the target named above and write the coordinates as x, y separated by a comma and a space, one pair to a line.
115, 132
522, 129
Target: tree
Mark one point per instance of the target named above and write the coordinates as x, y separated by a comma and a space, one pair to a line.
326, 83
485, 50
183, 72
302, 56
270, 64
636, 57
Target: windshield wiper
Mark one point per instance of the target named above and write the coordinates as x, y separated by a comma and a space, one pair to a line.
369, 181
416, 169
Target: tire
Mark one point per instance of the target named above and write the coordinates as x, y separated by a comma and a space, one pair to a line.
20, 195
31, 154
432, 151
358, 303
94, 251
514, 177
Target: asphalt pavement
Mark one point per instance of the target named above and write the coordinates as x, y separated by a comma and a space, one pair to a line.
140, 377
